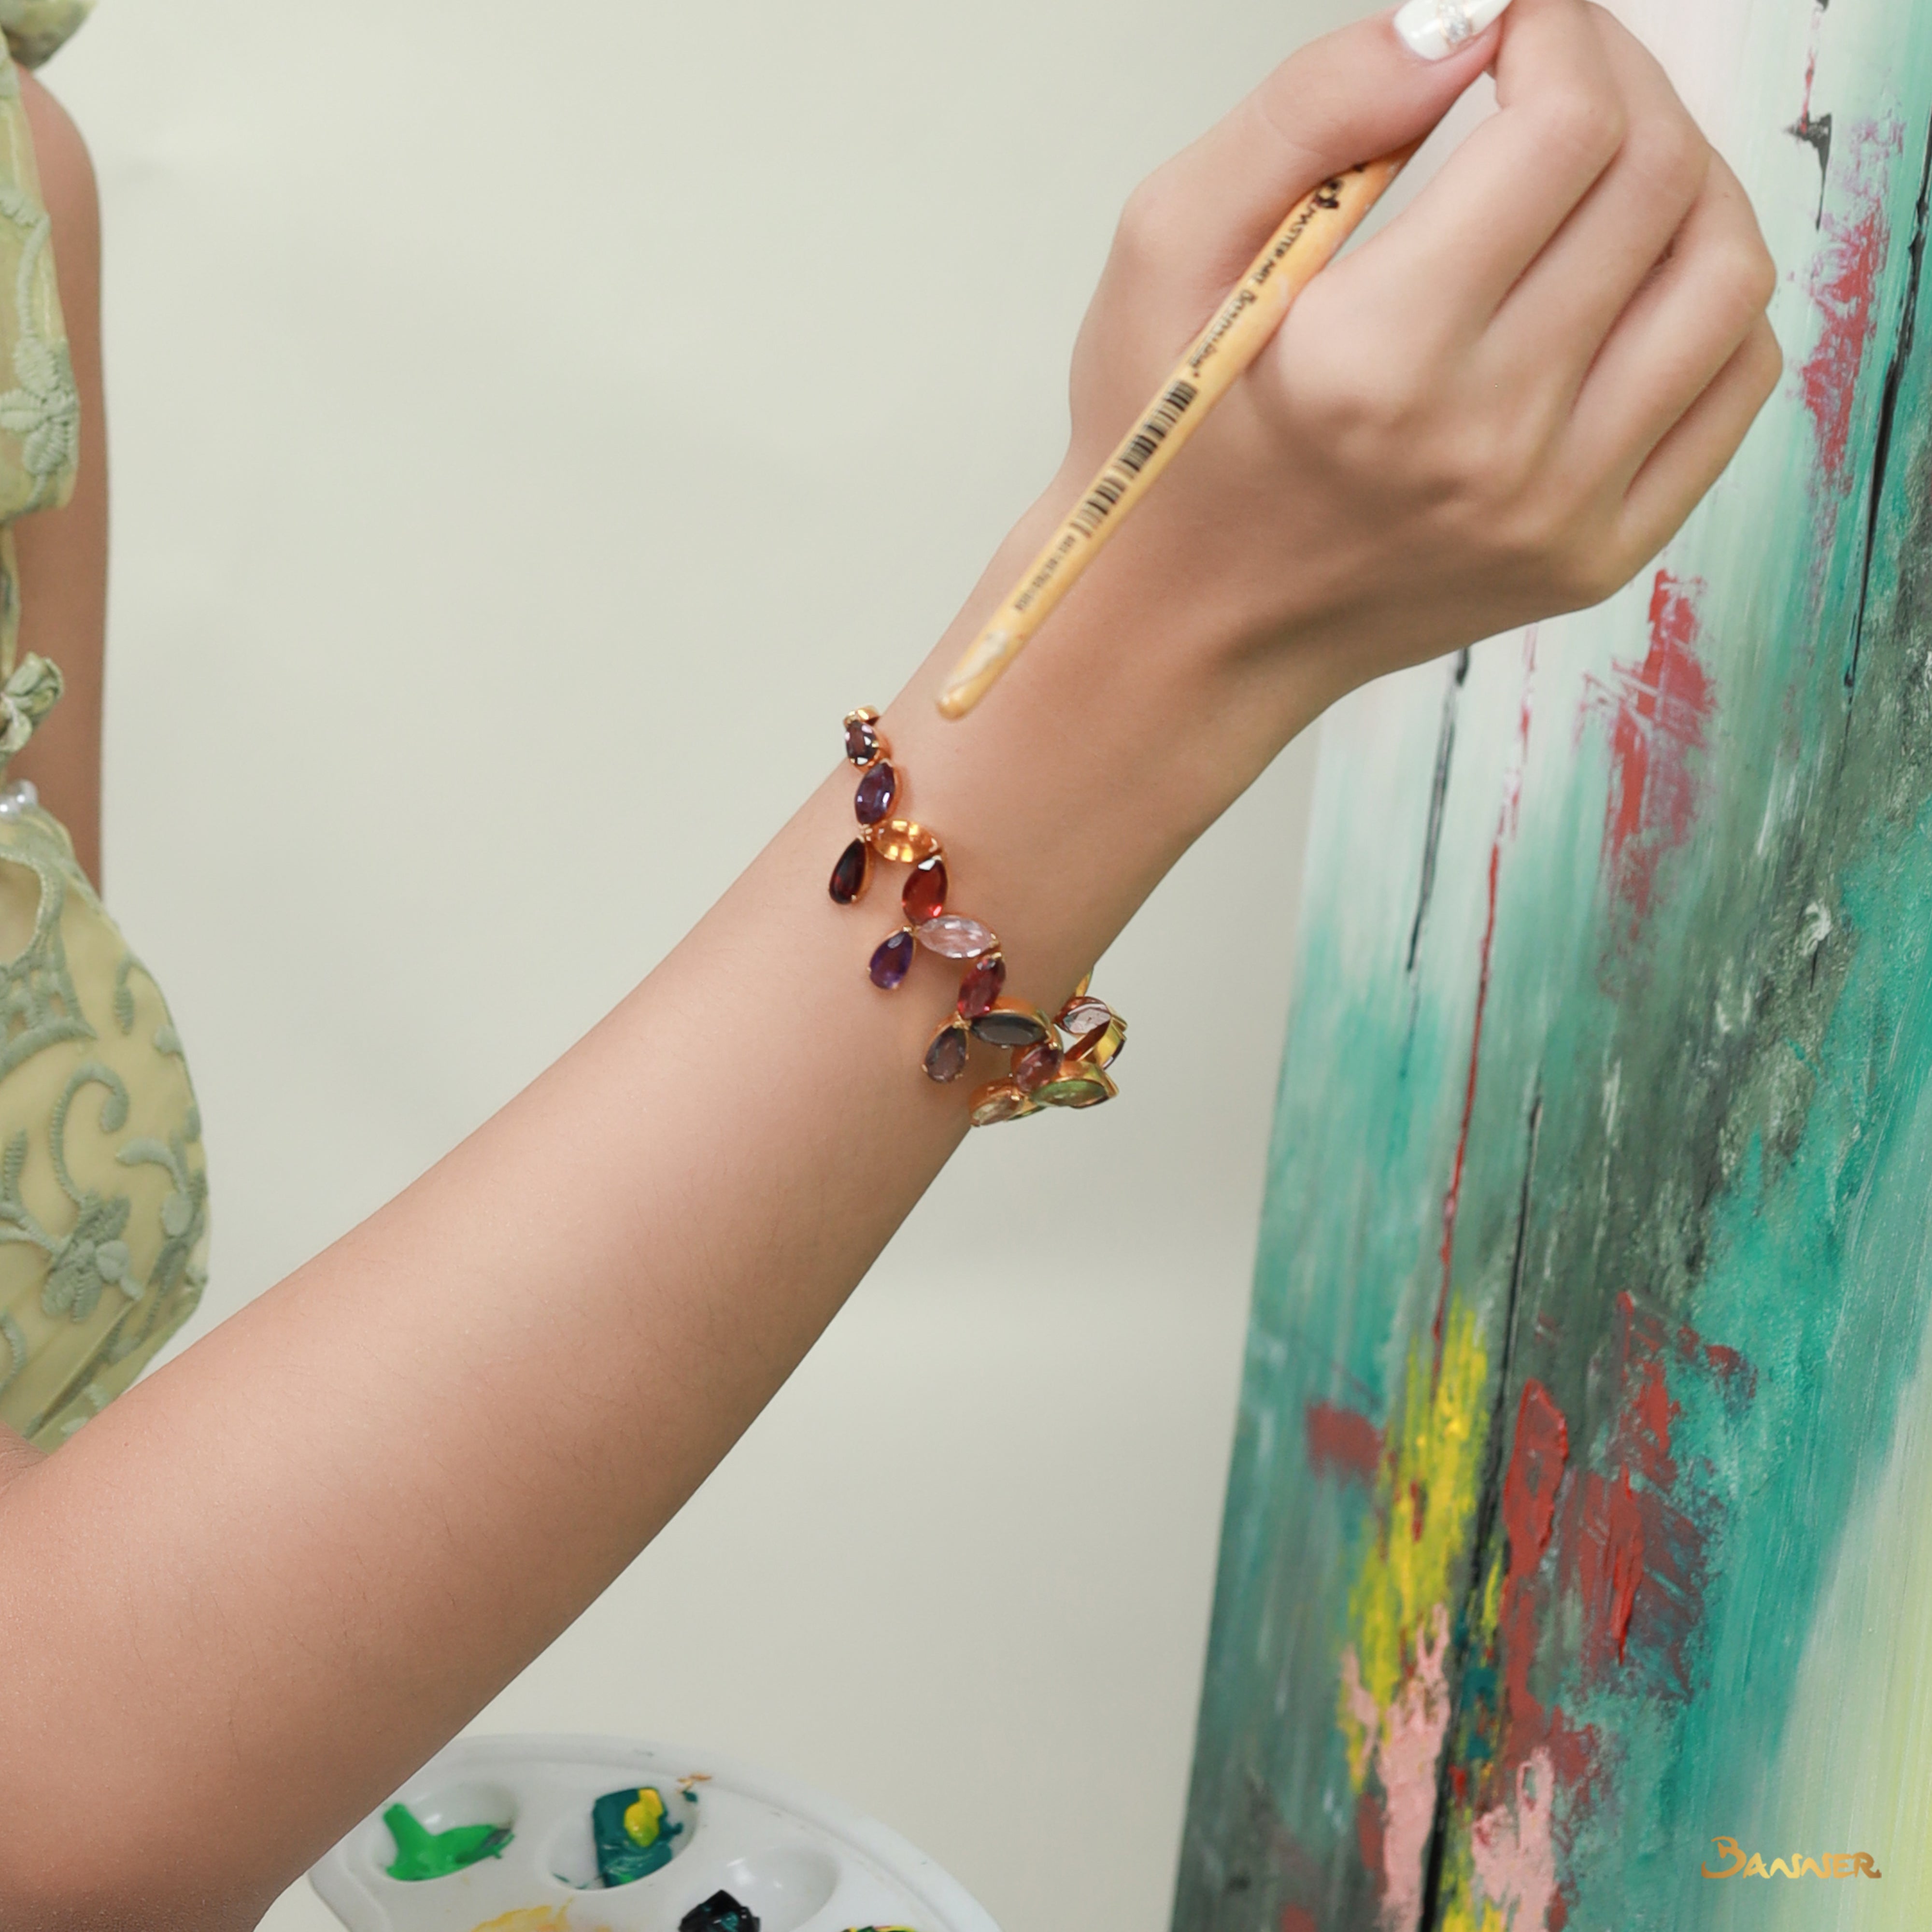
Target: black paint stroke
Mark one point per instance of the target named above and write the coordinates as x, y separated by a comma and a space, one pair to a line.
1488, 1512
1439, 794
1894, 379
1817, 135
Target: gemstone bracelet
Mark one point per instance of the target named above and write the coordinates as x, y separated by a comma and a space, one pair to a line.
1042, 1072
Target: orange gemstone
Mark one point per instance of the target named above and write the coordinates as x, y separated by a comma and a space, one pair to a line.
925, 894
999, 1100
903, 842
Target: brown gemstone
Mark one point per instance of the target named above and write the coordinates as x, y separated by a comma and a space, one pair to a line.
903, 842
981, 986
863, 744
1035, 1066
925, 894
1011, 1023
999, 1100
1084, 1087
956, 937
945, 1057
892, 960
852, 874
877, 790
1083, 1013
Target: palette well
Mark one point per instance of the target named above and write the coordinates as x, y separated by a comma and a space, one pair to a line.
706, 1835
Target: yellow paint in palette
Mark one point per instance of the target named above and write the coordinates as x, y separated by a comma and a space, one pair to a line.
537, 1918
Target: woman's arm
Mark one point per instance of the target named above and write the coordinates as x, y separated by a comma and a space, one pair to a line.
251, 1597
63, 553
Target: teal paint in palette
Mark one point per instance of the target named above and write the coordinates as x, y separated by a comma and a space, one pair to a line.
605, 1834
1581, 1507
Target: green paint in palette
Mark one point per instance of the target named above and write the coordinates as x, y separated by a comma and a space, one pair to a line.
632, 1832
422, 1854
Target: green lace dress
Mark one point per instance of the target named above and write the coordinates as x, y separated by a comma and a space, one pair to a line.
103, 1192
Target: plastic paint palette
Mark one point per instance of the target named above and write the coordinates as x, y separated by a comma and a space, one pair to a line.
801, 1862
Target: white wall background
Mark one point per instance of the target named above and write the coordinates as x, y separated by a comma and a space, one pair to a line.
532, 430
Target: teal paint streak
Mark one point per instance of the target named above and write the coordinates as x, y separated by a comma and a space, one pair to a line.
1736, 1128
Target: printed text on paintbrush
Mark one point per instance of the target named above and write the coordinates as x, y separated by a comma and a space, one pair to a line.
1298, 249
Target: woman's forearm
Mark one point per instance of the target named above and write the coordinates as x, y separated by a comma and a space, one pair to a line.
468, 1416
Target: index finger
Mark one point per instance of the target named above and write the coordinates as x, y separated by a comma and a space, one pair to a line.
1475, 228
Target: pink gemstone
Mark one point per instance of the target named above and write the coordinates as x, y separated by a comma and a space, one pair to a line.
955, 936
1085, 1015
877, 790
945, 1057
925, 895
981, 986
850, 875
893, 961
1036, 1066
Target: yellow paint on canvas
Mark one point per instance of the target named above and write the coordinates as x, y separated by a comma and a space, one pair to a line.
1425, 1508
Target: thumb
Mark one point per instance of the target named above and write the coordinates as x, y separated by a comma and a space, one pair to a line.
1372, 87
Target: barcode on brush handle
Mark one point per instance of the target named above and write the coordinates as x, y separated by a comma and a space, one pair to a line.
1132, 457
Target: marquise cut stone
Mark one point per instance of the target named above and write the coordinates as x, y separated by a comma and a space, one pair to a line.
1036, 1066
981, 986
999, 1100
903, 842
956, 937
1011, 1023
877, 790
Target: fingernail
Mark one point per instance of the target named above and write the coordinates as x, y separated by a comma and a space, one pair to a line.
1435, 28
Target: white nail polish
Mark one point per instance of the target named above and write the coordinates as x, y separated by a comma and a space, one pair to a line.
1435, 28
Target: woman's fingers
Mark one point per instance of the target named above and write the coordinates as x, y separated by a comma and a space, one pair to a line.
1703, 441
1556, 317
1195, 224
1470, 234
1681, 327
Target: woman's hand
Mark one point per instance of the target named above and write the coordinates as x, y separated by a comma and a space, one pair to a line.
1499, 408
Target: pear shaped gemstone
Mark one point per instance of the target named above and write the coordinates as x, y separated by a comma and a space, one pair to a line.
892, 960
863, 744
925, 895
955, 937
851, 874
945, 1057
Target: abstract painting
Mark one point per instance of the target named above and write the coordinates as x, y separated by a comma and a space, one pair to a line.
1577, 1563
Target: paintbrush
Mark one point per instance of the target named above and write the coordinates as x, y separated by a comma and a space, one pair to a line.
1297, 250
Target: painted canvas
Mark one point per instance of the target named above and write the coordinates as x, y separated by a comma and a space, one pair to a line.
1577, 1564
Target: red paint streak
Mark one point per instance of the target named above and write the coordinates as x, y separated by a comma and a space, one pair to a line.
1640, 1555
1459, 1783
1416, 1511
1656, 711
1531, 1486
1610, 1566
1368, 1837
1843, 281
1506, 823
1341, 1440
